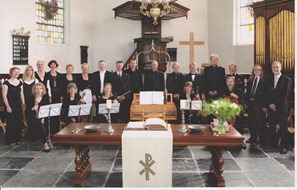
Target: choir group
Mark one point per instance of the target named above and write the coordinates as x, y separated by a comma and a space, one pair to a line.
264, 98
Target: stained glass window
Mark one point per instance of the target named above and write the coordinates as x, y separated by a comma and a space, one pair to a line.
50, 21
244, 22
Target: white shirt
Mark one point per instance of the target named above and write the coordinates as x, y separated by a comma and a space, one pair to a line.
276, 78
193, 77
258, 78
102, 76
119, 73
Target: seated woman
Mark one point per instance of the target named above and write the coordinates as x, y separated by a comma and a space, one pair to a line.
235, 95
36, 127
72, 98
106, 95
188, 94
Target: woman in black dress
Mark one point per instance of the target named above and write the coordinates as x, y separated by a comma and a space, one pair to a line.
28, 81
67, 79
41, 76
36, 127
72, 98
189, 95
83, 84
106, 95
54, 94
13, 97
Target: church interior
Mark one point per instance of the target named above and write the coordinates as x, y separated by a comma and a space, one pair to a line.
247, 45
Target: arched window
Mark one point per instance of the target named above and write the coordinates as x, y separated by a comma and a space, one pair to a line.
244, 22
50, 21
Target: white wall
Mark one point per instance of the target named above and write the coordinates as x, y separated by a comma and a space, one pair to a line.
220, 34
180, 29
15, 14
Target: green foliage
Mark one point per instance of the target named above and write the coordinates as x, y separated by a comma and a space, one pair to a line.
222, 109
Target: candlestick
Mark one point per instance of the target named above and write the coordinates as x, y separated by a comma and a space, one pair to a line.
108, 104
109, 129
182, 104
183, 128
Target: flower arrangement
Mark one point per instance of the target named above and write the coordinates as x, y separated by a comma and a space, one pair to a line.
222, 109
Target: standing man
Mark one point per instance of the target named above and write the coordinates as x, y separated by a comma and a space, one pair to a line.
99, 79
175, 83
256, 101
136, 83
196, 79
278, 92
214, 76
121, 89
154, 79
239, 80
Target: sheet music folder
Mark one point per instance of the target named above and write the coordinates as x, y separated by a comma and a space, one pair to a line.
115, 108
151, 97
50, 110
79, 110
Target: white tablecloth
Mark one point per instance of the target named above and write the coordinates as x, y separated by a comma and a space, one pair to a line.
147, 158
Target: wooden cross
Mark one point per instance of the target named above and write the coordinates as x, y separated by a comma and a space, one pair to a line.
192, 44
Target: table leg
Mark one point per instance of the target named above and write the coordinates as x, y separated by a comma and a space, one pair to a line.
83, 164
217, 167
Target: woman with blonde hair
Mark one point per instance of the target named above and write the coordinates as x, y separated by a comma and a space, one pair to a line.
106, 95
13, 97
28, 81
72, 98
67, 79
36, 126
83, 83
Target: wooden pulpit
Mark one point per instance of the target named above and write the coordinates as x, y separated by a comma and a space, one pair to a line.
137, 111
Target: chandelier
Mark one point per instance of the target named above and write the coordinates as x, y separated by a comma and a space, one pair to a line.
155, 12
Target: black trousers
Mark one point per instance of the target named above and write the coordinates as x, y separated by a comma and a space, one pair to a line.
280, 118
14, 126
256, 123
36, 130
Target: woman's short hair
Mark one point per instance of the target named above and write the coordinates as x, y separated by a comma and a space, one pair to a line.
84, 64
42, 86
12, 69
40, 62
230, 77
71, 85
69, 65
25, 73
51, 62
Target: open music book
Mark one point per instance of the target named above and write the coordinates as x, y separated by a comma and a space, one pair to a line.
151, 97
152, 124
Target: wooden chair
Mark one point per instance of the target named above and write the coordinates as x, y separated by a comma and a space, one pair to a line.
153, 115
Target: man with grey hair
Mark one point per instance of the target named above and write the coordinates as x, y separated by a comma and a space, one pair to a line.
214, 77
279, 86
175, 83
239, 80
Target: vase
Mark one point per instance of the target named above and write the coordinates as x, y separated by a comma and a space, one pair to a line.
222, 127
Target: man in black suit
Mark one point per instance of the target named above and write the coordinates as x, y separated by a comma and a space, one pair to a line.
278, 92
175, 83
239, 80
256, 101
154, 79
214, 77
98, 79
196, 79
135, 75
121, 88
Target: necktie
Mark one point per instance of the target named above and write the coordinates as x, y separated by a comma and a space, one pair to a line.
275, 81
253, 91
193, 77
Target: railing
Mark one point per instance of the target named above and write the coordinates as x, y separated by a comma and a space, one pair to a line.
132, 56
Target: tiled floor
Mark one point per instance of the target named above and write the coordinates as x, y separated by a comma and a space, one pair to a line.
253, 167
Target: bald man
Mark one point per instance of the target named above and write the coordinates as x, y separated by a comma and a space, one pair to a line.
154, 79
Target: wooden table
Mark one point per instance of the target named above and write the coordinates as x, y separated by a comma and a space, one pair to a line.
82, 140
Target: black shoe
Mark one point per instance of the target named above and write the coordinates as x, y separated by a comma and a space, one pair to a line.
283, 151
46, 150
248, 141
